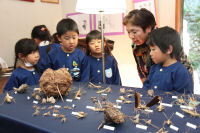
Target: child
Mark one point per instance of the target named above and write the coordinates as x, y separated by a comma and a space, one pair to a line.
93, 40
68, 55
41, 35
26, 58
167, 73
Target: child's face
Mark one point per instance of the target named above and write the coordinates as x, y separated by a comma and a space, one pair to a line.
32, 58
95, 46
137, 34
158, 56
69, 41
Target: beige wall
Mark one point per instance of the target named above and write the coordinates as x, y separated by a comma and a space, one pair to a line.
18, 19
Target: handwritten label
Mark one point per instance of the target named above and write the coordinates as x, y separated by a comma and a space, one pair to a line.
174, 127
104, 94
109, 127
179, 114
191, 125
141, 126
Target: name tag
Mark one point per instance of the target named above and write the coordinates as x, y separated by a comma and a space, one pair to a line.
141, 126
191, 125
166, 104
174, 127
179, 114
109, 127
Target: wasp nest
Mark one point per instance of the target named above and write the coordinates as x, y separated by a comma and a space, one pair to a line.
51, 82
111, 114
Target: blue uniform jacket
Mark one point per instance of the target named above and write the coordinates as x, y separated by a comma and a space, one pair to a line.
76, 63
22, 76
111, 70
43, 62
174, 77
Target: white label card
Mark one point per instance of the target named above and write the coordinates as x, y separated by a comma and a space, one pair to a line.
148, 110
174, 97
166, 104
116, 106
90, 107
10, 97
54, 115
104, 94
36, 102
119, 101
179, 114
36, 89
57, 106
69, 100
74, 113
174, 127
186, 107
28, 97
109, 127
191, 125
141, 126
78, 98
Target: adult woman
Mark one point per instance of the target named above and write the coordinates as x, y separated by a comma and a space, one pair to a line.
139, 23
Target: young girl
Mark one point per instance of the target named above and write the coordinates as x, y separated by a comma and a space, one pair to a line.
26, 58
68, 55
167, 74
93, 40
41, 35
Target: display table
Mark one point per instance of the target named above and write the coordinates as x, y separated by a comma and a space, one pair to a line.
18, 117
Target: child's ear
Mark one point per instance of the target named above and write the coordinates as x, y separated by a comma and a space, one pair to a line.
169, 51
148, 29
21, 56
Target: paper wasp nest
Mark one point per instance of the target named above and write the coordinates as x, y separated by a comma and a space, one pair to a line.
111, 114
51, 81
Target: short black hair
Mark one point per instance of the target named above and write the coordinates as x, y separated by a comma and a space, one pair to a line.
66, 25
94, 34
140, 17
163, 38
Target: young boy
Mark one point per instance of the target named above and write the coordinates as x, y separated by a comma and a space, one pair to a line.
68, 55
93, 40
168, 73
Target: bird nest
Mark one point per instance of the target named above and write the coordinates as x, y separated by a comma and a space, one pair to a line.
54, 82
111, 114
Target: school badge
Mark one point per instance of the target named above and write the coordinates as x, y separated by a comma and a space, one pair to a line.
108, 73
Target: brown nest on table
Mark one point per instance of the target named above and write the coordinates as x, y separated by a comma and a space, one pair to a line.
55, 82
113, 115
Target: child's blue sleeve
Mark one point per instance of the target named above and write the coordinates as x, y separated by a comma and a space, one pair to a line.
11, 83
147, 82
85, 70
116, 75
182, 80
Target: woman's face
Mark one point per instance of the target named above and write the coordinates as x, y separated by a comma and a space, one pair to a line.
137, 34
